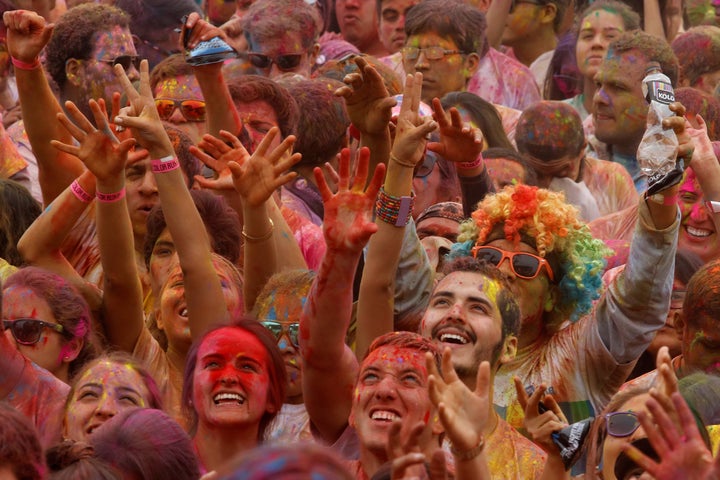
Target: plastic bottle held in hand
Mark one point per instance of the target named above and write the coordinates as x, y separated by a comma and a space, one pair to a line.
656, 152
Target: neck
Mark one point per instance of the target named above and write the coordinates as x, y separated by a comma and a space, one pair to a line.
215, 446
177, 357
528, 52
374, 47
531, 330
589, 90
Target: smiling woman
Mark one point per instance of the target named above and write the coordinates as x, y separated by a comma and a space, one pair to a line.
234, 387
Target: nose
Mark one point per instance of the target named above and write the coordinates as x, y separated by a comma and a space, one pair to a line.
229, 377
285, 345
148, 185
699, 213
9, 336
422, 63
600, 97
275, 71
177, 116
107, 407
386, 388
133, 73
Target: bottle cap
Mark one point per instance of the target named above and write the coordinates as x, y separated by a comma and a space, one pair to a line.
652, 66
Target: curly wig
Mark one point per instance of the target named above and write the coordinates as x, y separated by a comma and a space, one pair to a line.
545, 216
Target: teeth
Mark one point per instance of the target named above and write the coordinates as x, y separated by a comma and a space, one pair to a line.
698, 232
453, 338
222, 397
183, 312
383, 415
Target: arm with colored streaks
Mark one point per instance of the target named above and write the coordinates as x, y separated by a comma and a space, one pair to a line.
221, 113
205, 300
28, 34
105, 156
330, 366
377, 288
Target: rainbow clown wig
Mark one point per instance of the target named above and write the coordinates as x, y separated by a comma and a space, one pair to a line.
530, 212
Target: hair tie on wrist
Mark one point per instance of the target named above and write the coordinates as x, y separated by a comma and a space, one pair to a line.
17, 63
110, 197
470, 165
80, 192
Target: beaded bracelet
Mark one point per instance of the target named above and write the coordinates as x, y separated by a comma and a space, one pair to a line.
19, 64
251, 239
80, 192
164, 164
110, 197
394, 210
470, 165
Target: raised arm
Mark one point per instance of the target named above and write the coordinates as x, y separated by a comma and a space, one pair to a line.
377, 288
105, 157
330, 367
221, 113
203, 293
28, 33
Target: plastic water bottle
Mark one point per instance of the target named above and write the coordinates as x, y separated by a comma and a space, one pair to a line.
657, 150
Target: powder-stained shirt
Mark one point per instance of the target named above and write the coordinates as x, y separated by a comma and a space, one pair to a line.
505, 81
610, 184
587, 362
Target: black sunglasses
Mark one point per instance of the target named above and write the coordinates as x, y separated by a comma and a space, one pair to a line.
125, 60
27, 331
278, 329
283, 62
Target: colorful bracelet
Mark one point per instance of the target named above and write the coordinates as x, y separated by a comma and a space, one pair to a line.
396, 211
251, 239
470, 165
110, 197
80, 192
165, 164
17, 63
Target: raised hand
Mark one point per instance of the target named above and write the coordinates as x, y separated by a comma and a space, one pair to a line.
200, 30
540, 426
682, 452
141, 115
464, 414
411, 130
368, 103
27, 34
257, 177
348, 224
215, 153
459, 142
408, 462
101, 152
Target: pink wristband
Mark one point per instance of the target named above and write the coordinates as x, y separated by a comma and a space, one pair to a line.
165, 164
24, 65
110, 197
80, 192
474, 164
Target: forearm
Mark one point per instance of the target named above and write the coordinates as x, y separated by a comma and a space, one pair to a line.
39, 108
636, 302
42, 241
555, 469
652, 20
219, 106
122, 292
260, 256
474, 189
288, 251
379, 146
496, 19
474, 469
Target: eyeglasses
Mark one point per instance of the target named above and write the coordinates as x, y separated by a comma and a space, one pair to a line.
515, 3
125, 60
278, 329
284, 62
427, 166
621, 424
524, 265
192, 110
677, 298
431, 53
27, 331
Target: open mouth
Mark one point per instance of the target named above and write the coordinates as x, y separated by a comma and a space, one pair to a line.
183, 312
453, 338
228, 398
384, 415
92, 428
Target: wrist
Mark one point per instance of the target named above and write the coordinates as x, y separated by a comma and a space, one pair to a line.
396, 211
465, 455
32, 64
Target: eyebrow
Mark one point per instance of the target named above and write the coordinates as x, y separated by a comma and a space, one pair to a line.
128, 390
472, 298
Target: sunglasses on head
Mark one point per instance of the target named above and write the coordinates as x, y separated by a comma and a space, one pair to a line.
283, 62
621, 424
278, 329
524, 265
125, 60
27, 331
192, 110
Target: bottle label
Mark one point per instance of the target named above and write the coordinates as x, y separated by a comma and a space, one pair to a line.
661, 92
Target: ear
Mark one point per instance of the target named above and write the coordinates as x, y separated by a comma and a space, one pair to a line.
158, 319
509, 349
551, 299
679, 322
75, 72
548, 13
72, 349
472, 62
313, 54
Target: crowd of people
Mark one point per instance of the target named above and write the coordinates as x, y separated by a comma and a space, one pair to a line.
357, 239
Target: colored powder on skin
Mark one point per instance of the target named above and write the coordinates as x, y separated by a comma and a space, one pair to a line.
699, 335
491, 288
